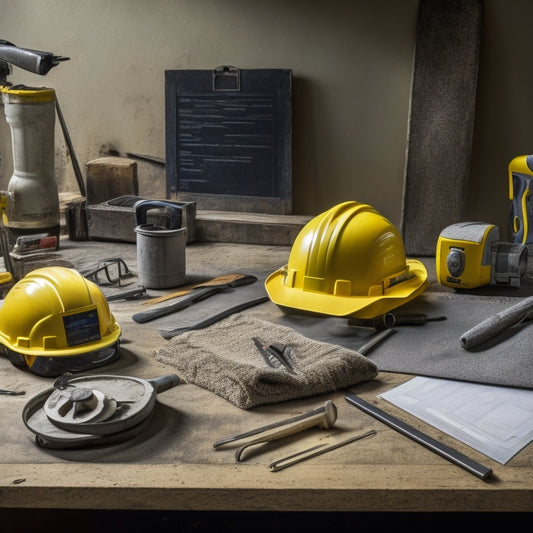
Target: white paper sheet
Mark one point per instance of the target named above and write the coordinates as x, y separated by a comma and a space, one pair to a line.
496, 421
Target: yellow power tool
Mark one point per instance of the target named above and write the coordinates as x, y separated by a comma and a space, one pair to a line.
470, 255
520, 193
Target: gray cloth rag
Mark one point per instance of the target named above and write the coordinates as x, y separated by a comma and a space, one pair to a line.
224, 359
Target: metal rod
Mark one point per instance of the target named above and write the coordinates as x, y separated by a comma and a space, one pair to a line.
448, 453
74, 159
376, 339
4, 246
298, 457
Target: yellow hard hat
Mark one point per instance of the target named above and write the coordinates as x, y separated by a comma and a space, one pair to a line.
54, 320
347, 261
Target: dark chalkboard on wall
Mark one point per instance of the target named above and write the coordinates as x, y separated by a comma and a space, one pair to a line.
229, 138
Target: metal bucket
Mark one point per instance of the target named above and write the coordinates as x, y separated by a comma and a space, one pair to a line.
161, 254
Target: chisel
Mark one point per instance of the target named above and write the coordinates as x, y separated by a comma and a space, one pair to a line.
226, 278
170, 333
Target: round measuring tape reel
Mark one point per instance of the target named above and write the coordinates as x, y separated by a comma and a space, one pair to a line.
87, 407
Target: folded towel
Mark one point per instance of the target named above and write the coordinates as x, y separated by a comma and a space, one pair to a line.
224, 359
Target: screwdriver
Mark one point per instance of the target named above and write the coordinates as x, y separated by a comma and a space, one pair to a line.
389, 320
413, 319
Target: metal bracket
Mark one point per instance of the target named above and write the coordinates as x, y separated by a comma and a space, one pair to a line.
226, 78
5, 71
509, 262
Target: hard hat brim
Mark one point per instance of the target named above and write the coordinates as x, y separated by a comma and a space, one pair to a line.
365, 307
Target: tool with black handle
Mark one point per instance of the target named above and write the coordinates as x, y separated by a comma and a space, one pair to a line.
35, 61
186, 289
195, 295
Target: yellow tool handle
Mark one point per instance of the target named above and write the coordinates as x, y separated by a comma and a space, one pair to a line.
3, 201
5, 277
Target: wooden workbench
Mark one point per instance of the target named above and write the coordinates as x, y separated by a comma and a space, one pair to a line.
173, 466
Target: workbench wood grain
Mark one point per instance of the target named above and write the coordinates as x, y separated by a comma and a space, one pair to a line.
387, 472
313, 487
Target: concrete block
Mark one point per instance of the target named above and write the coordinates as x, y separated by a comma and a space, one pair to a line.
114, 220
248, 228
111, 177
441, 121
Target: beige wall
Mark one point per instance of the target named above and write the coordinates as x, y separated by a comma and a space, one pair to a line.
351, 62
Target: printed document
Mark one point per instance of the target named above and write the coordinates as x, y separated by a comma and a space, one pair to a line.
496, 421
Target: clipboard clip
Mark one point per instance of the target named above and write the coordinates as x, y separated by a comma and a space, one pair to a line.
226, 78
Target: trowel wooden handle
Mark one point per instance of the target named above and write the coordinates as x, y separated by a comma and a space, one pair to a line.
189, 288
194, 296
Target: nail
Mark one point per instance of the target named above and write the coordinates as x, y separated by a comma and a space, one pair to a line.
298, 457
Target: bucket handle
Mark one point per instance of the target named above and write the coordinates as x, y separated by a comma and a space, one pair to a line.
143, 206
